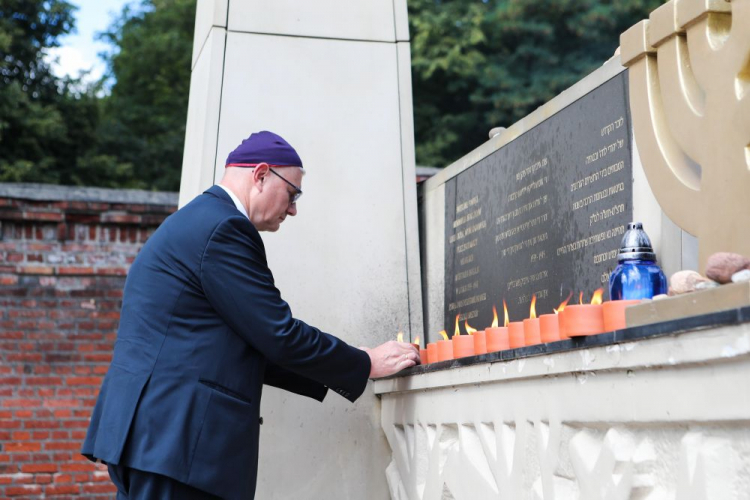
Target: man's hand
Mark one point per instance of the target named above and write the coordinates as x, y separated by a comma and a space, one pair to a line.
391, 357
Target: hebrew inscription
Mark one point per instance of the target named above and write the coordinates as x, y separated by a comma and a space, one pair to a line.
543, 215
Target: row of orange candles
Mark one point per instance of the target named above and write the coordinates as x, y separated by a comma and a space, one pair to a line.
566, 322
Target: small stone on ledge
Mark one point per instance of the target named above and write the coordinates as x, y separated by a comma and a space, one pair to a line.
722, 265
685, 282
660, 297
705, 285
741, 276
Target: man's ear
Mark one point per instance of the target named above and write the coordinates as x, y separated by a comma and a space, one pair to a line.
260, 173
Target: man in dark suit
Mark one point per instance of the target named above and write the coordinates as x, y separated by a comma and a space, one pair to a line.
203, 328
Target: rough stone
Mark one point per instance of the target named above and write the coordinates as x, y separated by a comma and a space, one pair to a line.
722, 265
685, 282
705, 285
741, 276
661, 296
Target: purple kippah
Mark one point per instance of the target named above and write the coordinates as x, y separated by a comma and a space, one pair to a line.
264, 147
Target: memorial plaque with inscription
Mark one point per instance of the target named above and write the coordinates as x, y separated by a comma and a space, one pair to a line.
543, 215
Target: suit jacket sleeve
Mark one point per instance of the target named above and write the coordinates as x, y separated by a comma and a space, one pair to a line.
240, 287
281, 378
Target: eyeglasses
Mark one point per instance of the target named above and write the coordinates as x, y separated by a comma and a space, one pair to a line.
293, 197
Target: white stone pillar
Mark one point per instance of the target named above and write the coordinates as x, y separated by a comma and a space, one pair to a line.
333, 78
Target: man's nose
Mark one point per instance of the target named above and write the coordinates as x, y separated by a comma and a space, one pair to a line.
292, 210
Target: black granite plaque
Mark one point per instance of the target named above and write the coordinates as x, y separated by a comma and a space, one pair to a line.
543, 215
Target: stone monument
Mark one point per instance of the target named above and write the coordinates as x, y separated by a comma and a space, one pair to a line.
333, 78
653, 411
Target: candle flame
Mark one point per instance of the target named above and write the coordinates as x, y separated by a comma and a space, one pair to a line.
469, 329
563, 304
400, 336
597, 297
505, 308
580, 298
457, 331
494, 317
444, 335
532, 309
416, 341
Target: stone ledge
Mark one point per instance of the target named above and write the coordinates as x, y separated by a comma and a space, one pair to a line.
477, 369
53, 192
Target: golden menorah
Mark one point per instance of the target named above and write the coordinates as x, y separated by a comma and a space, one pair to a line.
689, 66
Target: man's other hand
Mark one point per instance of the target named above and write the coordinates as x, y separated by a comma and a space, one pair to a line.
391, 357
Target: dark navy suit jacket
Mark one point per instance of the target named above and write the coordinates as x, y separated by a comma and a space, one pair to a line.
202, 329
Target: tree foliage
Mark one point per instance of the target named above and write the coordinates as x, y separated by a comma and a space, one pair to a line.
60, 130
481, 64
476, 64
44, 123
143, 123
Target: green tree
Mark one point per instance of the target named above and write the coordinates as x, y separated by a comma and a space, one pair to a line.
143, 120
481, 64
33, 129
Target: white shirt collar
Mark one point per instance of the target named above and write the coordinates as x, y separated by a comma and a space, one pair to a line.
236, 200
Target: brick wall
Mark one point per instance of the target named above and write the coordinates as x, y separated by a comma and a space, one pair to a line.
64, 253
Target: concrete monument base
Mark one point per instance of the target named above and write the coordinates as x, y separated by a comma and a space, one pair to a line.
657, 418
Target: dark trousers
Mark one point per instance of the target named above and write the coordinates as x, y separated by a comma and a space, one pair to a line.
133, 484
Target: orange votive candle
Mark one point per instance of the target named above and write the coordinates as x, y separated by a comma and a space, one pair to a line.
444, 350
497, 339
531, 331
516, 336
584, 319
432, 354
463, 346
614, 313
562, 322
549, 327
480, 342
423, 356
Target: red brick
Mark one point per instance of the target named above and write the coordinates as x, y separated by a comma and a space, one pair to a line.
25, 446
21, 436
33, 468
14, 403
21, 457
78, 467
43, 478
62, 489
15, 491
120, 218
62, 446
41, 424
8, 280
76, 424
36, 270
43, 216
76, 271
63, 478
61, 403
99, 488
44, 380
